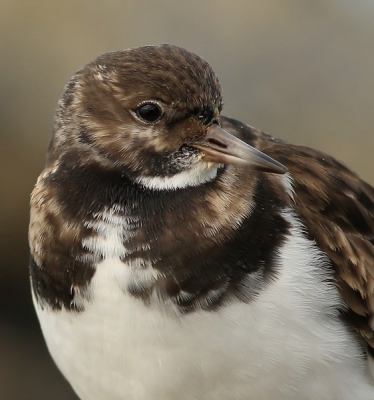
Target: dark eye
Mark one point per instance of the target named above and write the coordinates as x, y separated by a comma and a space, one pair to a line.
149, 112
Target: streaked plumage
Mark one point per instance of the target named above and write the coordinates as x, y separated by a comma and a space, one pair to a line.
169, 260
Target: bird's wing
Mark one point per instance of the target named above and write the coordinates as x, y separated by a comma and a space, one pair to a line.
337, 208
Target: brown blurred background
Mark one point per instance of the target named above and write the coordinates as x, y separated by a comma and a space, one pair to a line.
301, 70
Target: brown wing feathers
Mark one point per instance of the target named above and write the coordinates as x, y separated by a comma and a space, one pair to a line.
337, 208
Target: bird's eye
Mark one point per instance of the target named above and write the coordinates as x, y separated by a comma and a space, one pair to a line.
149, 112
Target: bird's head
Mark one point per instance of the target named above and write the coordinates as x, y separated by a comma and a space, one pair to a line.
154, 113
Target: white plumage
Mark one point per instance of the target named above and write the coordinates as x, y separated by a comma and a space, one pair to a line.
118, 348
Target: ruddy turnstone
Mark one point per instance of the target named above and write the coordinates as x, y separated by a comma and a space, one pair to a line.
172, 259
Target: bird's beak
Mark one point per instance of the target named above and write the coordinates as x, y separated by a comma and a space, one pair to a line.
221, 147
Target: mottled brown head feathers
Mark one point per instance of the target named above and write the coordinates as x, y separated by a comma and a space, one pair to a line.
95, 116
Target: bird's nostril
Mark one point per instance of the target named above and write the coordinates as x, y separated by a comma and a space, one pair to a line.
217, 143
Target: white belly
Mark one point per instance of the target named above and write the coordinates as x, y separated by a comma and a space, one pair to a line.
288, 344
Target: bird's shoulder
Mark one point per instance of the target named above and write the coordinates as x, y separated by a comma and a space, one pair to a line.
337, 208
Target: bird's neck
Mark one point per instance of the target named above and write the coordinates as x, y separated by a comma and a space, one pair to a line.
223, 231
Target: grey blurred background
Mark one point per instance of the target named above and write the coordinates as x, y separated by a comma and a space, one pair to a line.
301, 70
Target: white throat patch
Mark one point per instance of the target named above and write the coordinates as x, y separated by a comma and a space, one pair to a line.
199, 174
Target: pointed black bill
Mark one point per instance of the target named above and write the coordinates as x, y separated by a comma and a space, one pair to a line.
222, 147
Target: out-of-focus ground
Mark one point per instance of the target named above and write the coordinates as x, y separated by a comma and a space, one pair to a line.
303, 71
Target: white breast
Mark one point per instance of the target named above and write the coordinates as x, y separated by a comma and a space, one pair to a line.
288, 344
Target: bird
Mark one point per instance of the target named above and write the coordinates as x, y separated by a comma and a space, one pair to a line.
180, 254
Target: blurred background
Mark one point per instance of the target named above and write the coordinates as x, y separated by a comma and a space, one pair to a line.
300, 70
